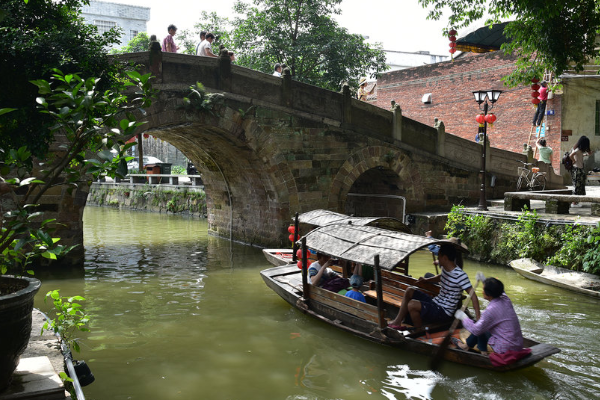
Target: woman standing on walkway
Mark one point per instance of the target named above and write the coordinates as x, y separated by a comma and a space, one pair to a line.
577, 173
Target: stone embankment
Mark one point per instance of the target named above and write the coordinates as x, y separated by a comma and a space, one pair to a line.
180, 199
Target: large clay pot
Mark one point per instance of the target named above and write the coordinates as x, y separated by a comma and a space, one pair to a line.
16, 305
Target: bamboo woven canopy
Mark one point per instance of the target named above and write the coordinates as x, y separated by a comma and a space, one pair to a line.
362, 243
326, 217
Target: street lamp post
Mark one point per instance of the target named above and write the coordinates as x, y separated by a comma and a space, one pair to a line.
483, 97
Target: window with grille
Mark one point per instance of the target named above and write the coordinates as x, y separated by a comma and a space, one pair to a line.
132, 34
104, 26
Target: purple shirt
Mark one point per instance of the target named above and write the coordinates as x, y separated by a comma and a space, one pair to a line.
501, 321
169, 40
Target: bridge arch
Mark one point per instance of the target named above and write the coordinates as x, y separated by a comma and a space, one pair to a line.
248, 189
376, 170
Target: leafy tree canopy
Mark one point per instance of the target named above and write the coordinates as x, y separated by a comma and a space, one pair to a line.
546, 35
141, 42
36, 37
301, 34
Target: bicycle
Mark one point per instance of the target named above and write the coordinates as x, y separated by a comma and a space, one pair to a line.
532, 178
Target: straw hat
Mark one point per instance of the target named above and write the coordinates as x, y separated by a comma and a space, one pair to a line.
362, 81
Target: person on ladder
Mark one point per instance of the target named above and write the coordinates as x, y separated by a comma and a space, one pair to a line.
541, 108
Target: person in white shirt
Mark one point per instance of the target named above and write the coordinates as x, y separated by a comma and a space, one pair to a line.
277, 70
205, 49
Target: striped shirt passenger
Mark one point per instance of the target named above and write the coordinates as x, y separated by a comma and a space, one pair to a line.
452, 284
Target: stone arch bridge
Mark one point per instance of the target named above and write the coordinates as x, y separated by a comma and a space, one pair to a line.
273, 146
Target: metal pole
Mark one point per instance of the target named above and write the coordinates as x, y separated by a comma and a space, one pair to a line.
482, 201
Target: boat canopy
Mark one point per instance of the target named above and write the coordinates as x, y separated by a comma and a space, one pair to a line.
326, 217
361, 244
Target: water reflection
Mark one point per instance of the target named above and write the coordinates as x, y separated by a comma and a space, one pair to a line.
178, 314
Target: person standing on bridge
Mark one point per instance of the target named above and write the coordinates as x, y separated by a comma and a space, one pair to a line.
168, 44
205, 48
202, 38
277, 71
362, 91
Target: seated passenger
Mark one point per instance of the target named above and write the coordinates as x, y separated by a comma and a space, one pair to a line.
321, 275
418, 307
356, 282
498, 326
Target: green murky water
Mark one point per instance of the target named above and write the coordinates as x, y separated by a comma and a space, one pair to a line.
178, 314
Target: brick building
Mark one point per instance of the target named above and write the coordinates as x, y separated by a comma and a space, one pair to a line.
444, 90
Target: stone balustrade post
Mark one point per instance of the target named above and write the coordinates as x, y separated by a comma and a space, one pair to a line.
397, 122
528, 151
224, 82
288, 98
441, 137
346, 105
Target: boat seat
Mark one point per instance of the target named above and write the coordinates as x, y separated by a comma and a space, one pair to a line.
388, 298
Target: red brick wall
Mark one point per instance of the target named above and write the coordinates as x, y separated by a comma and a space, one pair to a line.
451, 85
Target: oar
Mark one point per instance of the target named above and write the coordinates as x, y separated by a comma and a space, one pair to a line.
438, 357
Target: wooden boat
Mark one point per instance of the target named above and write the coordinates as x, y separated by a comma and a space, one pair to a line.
387, 252
575, 281
318, 218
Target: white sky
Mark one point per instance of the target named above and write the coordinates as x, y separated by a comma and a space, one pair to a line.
400, 25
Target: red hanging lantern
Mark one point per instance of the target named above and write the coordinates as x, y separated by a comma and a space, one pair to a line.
291, 237
452, 32
146, 136
291, 229
299, 253
490, 118
535, 87
535, 101
299, 264
535, 80
452, 50
535, 94
452, 38
452, 44
480, 118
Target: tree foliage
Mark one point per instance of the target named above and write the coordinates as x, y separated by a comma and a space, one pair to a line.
36, 37
141, 42
546, 35
92, 121
301, 34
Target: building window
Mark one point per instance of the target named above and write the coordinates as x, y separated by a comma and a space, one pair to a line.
597, 130
104, 26
132, 34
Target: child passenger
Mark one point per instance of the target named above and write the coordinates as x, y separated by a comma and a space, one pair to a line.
356, 282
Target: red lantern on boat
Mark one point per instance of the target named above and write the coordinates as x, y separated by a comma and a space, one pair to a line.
299, 253
479, 118
291, 229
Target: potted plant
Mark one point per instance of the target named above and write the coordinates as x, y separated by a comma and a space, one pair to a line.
91, 121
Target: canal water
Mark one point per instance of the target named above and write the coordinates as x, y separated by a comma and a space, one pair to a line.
178, 314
